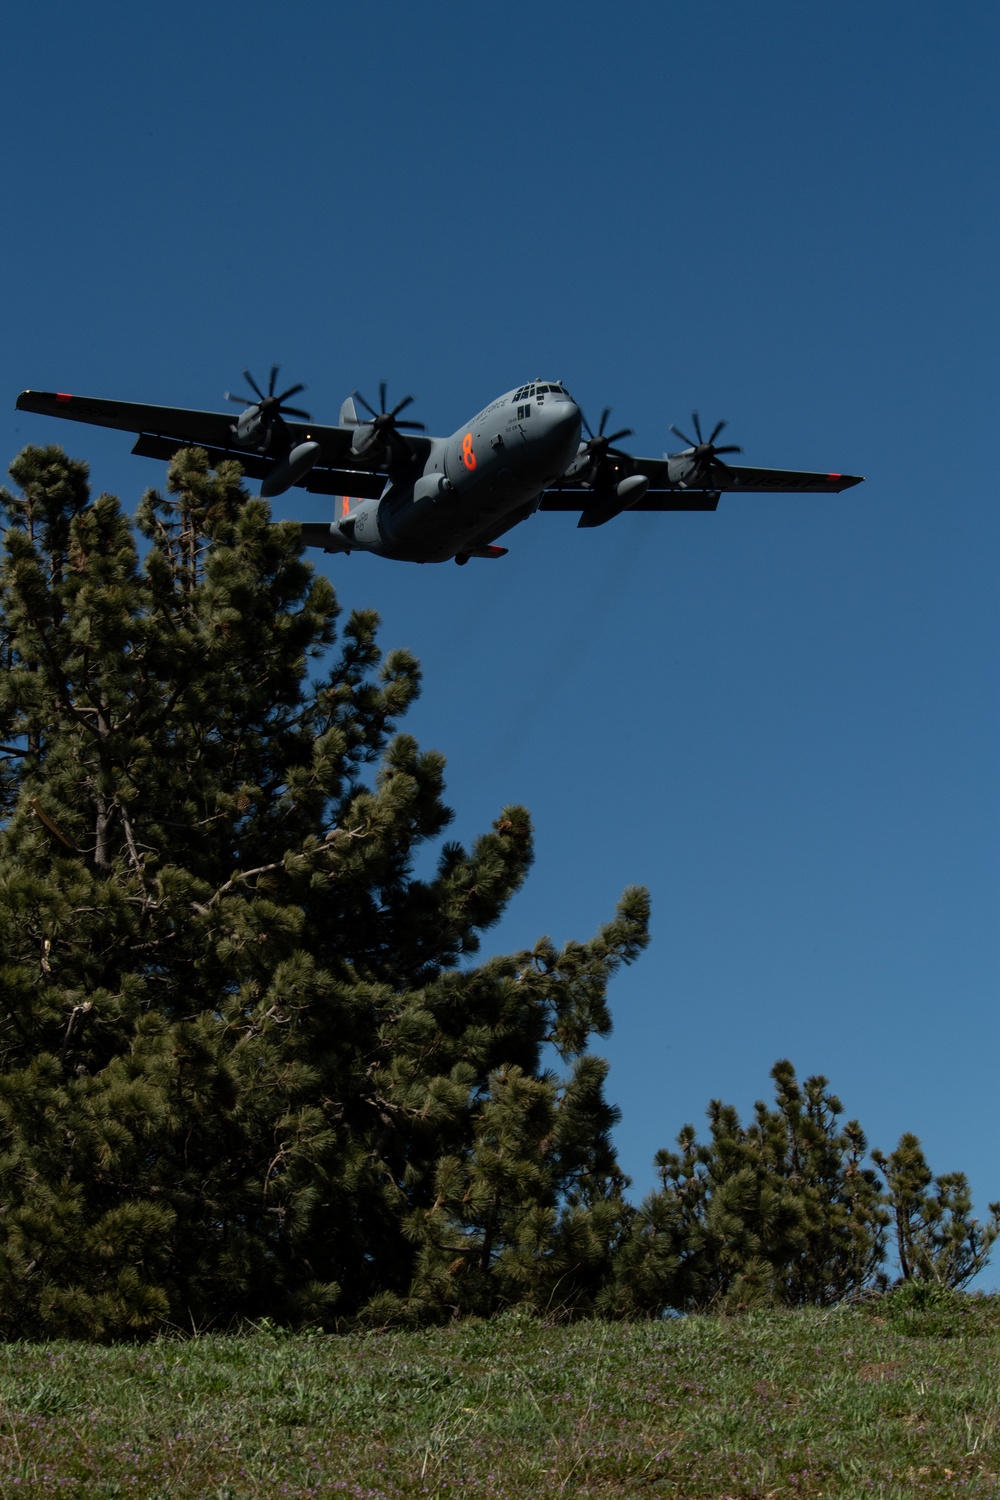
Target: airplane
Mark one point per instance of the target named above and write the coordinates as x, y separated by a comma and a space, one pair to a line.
414, 498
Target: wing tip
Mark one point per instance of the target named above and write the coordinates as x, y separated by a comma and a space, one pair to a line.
39, 401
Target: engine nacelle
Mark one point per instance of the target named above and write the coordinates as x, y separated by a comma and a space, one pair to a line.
249, 430
404, 515
291, 469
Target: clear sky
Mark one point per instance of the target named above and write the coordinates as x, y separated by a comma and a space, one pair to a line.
783, 718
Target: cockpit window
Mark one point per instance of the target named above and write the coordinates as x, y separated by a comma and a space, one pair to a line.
525, 392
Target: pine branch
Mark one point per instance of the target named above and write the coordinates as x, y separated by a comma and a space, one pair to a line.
36, 807
137, 861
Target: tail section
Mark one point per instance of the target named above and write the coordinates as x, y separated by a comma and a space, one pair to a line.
319, 534
346, 505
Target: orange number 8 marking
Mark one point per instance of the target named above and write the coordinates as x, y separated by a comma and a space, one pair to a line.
468, 457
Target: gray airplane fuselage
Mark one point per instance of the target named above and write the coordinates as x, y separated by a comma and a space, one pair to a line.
471, 487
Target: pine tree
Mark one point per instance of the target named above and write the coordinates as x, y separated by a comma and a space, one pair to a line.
839, 1242
781, 1211
937, 1240
248, 1066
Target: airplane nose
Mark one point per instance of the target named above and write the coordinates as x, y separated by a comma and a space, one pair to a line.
563, 422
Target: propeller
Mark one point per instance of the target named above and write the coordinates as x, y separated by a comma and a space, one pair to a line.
385, 426
704, 451
599, 447
270, 406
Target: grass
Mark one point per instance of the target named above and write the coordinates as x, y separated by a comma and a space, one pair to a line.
892, 1402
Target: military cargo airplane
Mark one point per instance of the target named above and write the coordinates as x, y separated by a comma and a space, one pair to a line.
415, 498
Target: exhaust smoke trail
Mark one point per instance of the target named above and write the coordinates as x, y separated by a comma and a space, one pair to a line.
571, 651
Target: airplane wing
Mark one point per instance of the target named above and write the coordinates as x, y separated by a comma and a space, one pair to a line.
676, 484
206, 428
742, 477
162, 430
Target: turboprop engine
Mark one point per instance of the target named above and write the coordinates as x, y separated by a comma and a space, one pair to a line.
261, 427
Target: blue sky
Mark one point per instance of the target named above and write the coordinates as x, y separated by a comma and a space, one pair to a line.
783, 718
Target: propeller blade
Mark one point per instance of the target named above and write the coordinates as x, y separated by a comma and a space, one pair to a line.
358, 397
385, 425
600, 442
253, 385
705, 454
271, 407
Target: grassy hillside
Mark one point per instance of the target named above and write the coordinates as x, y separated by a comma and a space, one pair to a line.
884, 1402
